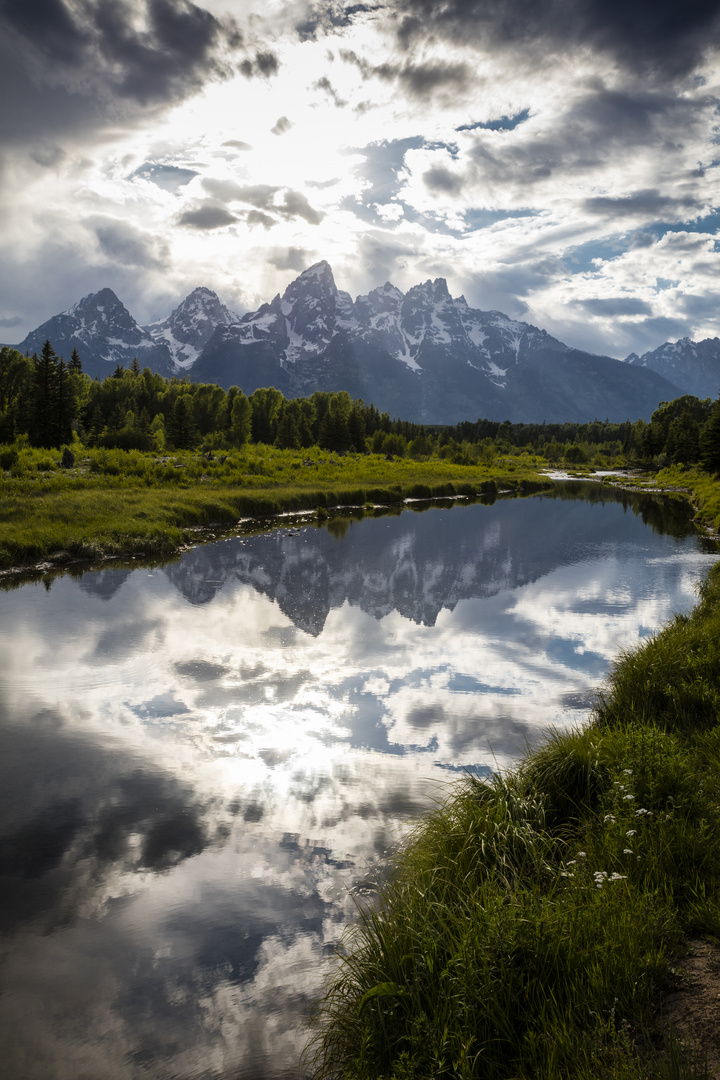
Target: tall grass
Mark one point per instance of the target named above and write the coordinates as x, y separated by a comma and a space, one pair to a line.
122, 502
531, 922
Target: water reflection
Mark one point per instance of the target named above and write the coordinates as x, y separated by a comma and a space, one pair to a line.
199, 761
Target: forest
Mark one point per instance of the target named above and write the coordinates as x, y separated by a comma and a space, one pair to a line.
47, 402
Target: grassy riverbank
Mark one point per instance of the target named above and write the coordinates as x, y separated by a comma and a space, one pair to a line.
127, 502
532, 923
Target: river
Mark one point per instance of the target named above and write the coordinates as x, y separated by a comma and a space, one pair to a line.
202, 763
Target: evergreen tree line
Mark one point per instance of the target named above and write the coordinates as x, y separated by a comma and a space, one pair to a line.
47, 400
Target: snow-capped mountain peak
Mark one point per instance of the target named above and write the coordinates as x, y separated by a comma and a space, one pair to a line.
187, 330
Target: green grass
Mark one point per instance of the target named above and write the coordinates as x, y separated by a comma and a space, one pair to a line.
119, 502
530, 924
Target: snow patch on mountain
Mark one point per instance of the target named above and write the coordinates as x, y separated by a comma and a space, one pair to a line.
187, 330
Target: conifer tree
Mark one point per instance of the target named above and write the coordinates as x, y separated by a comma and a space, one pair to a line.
43, 428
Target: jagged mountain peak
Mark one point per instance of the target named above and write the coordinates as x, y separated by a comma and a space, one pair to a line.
316, 283
694, 366
189, 327
104, 303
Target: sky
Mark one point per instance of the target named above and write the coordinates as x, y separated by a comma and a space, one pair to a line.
556, 160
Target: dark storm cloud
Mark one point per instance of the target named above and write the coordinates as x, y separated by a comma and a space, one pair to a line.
66, 69
128, 245
421, 80
597, 127
615, 305
206, 215
663, 37
70, 804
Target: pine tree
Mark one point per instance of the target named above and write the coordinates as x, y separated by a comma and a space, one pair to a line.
182, 429
65, 405
75, 362
43, 427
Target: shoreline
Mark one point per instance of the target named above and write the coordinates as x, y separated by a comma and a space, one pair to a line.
563, 919
103, 523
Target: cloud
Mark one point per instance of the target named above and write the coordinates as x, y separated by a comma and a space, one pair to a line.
206, 215
616, 305
281, 126
264, 64
69, 70
325, 85
292, 258
438, 178
258, 195
262, 196
48, 155
422, 80
125, 243
237, 144
295, 204
9, 321
257, 217
664, 37
145, 51
648, 203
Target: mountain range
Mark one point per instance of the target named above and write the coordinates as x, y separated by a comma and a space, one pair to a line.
422, 355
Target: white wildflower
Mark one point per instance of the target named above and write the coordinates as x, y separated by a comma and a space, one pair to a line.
618, 877
631, 832
627, 851
628, 798
609, 817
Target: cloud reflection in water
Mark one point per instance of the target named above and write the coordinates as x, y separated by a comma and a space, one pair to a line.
199, 762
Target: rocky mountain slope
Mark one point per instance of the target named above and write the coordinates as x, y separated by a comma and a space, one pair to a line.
423, 355
694, 366
105, 334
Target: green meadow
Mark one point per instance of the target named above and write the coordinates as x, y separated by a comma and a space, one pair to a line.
125, 502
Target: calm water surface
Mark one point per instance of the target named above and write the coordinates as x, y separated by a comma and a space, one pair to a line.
200, 763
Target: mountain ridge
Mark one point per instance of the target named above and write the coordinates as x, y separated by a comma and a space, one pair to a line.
423, 354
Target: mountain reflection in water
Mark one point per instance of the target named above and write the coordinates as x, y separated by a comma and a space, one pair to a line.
199, 762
